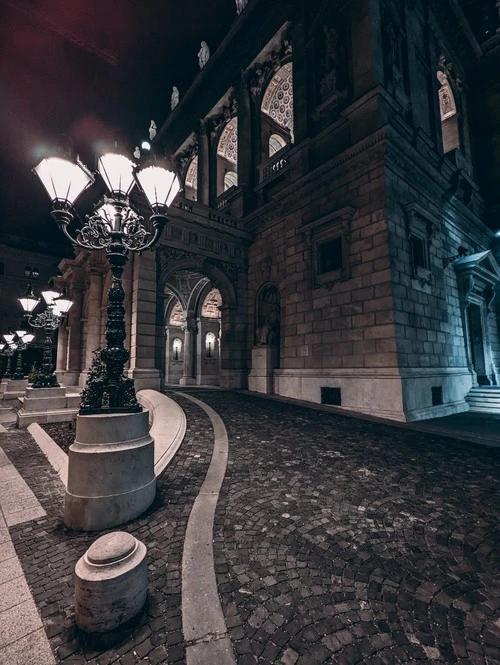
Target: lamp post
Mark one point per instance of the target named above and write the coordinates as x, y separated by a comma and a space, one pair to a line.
116, 228
8, 351
50, 319
23, 339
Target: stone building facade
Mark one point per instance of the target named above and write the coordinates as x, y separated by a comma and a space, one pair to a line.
335, 241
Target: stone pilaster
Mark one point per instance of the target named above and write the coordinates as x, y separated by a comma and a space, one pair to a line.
143, 322
203, 165
190, 336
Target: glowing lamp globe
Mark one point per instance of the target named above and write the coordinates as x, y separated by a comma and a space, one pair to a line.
159, 185
9, 338
21, 333
117, 171
49, 296
29, 301
28, 338
62, 305
63, 180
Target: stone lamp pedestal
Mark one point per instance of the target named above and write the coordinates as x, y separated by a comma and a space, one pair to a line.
15, 389
265, 359
111, 477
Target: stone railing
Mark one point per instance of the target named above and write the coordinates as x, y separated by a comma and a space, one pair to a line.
273, 167
216, 215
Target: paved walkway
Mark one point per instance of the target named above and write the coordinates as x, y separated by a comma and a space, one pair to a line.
336, 540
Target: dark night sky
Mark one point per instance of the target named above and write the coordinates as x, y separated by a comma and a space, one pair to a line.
108, 85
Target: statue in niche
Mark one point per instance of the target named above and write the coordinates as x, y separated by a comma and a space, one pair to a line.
152, 130
174, 99
392, 41
332, 59
240, 6
203, 54
268, 317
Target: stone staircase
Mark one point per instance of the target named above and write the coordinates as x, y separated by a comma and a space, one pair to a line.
484, 399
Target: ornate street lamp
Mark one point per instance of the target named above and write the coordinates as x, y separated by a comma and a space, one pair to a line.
50, 319
116, 228
23, 339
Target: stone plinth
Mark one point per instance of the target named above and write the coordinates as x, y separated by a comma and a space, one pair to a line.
111, 582
15, 389
3, 385
47, 405
265, 359
111, 476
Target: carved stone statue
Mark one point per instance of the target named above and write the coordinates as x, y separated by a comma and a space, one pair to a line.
174, 99
152, 130
203, 54
240, 5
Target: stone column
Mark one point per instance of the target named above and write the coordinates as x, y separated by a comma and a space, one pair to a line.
190, 337
93, 326
62, 349
203, 165
246, 153
143, 322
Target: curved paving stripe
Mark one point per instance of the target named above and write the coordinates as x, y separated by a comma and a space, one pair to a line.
203, 622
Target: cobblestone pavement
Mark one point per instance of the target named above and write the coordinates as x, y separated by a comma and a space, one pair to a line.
48, 553
344, 541
337, 540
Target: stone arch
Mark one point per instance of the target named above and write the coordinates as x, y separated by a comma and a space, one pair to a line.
205, 276
276, 109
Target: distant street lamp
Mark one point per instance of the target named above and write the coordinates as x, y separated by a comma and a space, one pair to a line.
116, 228
7, 350
50, 319
23, 339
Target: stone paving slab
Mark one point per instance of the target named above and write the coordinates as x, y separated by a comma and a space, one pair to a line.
48, 553
336, 540
347, 541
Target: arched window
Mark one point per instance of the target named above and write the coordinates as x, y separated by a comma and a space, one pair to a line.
449, 116
276, 143
177, 349
210, 344
230, 180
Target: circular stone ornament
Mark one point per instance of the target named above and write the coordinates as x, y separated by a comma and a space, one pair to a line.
111, 582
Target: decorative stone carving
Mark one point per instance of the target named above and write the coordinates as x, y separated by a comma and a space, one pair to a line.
174, 99
152, 130
266, 266
259, 74
183, 159
228, 112
203, 54
168, 255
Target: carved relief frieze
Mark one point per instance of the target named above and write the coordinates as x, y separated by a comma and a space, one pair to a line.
229, 111
260, 73
183, 159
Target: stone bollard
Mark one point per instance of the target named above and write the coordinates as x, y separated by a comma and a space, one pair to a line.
111, 582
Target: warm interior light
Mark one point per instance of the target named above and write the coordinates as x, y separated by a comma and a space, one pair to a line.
49, 296
9, 338
117, 172
62, 305
29, 301
159, 185
63, 180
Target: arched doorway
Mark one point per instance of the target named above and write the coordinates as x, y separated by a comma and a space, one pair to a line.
198, 310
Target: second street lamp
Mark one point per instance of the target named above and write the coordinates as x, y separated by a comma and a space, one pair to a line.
50, 319
23, 339
116, 228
